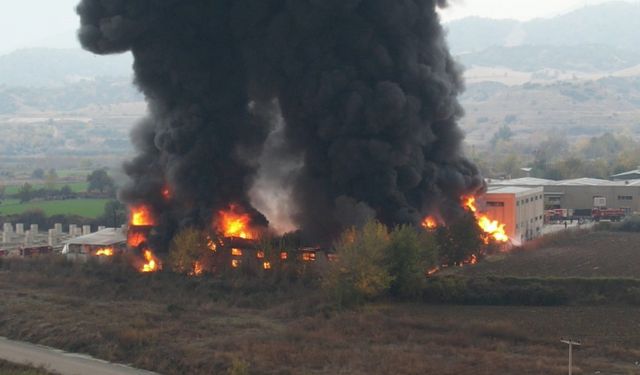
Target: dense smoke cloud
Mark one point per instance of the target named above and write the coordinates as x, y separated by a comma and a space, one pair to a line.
366, 88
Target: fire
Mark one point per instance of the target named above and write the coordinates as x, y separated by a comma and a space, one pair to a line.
197, 269
105, 252
266, 265
234, 224
135, 239
235, 263
152, 263
430, 223
166, 193
211, 244
493, 229
141, 216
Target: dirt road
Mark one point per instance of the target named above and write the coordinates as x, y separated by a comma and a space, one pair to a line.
61, 362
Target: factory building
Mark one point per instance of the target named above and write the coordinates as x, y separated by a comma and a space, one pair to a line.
583, 194
521, 209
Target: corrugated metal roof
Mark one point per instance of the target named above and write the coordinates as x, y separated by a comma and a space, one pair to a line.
525, 181
513, 190
629, 173
533, 182
105, 237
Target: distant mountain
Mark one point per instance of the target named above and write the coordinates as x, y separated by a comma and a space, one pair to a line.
613, 24
41, 67
583, 58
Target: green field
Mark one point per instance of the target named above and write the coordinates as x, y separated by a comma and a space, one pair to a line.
77, 187
91, 208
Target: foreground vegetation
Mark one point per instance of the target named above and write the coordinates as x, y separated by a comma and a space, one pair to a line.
8, 368
270, 323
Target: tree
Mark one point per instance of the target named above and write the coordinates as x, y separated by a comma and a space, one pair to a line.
52, 179
38, 174
187, 247
115, 214
25, 194
360, 273
409, 254
100, 181
460, 240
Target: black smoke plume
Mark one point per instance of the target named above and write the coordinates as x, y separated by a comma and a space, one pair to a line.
367, 90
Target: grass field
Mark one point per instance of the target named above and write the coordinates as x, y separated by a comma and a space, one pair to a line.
571, 254
179, 325
90, 208
77, 187
8, 368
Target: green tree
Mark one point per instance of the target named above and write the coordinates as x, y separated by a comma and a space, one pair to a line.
25, 194
100, 181
409, 254
460, 240
52, 179
187, 247
115, 214
38, 174
360, 272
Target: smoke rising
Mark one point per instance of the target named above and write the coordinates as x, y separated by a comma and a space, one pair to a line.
367, 91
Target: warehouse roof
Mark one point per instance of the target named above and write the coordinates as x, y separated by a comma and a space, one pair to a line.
105, 237
513, 190
525, 181
533, 182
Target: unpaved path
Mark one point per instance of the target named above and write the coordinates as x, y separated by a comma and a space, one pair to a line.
61, 362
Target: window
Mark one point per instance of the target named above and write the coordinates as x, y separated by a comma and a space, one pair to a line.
625, 198
308, 256
495, 204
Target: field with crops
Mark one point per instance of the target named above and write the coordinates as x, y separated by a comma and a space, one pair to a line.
90, 208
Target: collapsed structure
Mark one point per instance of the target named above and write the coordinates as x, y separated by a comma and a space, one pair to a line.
358, 99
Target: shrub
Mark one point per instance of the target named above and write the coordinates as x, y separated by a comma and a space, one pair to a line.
187, 247
360, 273
459, 240
409, 254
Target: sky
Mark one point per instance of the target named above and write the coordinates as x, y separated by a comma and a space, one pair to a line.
52, 23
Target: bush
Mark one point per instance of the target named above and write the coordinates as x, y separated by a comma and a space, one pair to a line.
409, 254
360, 272
187, 247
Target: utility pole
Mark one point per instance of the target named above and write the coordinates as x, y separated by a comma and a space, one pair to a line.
571, 344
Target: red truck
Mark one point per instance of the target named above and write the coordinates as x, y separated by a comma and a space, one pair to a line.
613, 214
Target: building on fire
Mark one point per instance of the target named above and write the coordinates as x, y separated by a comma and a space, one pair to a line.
520, 209
105, 242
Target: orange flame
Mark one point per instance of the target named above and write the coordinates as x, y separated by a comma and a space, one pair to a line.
105, 252
266, 265
235, 263
135, 239
152, 264
197, 270
141, 216
234, 224
493, 229
430, 223
211, 244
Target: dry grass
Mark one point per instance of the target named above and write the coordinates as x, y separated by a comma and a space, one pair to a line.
8, 368
177, 325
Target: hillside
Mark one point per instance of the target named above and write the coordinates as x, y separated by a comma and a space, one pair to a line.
600, 38
42, 67
612, 24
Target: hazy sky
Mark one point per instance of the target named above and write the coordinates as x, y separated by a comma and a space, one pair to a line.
51, 23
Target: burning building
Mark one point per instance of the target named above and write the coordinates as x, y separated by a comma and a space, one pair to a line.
519, 209
361, 96
103, 243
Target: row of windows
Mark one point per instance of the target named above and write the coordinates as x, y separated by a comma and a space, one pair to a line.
527, 200
524, 223
625, 198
